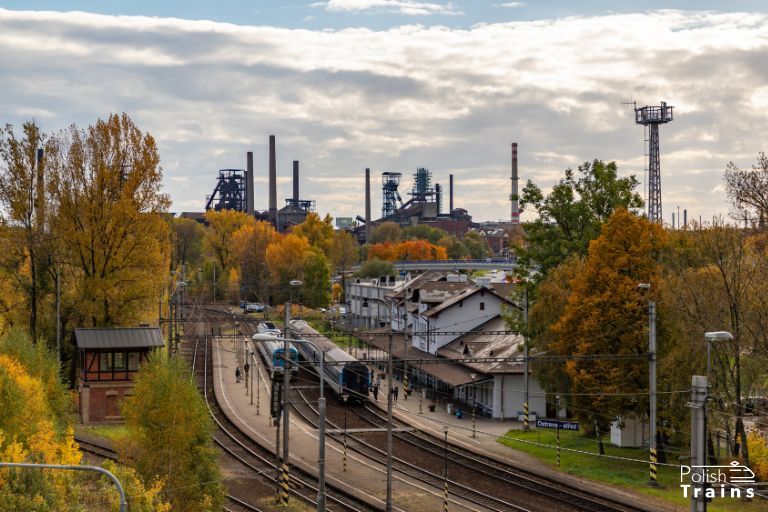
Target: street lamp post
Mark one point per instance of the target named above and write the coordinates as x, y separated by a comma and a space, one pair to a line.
344, 399
321, 407
388, 506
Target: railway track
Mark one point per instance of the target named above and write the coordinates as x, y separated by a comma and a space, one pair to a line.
472, 477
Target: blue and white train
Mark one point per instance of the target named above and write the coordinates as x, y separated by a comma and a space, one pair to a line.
343, 373
272, 354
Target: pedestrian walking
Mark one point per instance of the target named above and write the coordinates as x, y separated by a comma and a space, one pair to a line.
376, 392
395, 391
247, 367
237, 374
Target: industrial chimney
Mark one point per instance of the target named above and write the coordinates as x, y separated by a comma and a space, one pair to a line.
249, 206
367, 205
450, 194
515, 217
296, 184
272, 182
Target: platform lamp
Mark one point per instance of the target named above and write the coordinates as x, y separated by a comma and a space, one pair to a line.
710, 337
474, 430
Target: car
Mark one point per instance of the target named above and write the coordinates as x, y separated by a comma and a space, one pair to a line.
268, 328
253, 307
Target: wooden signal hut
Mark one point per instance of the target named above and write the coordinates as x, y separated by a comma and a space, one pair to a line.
108, 359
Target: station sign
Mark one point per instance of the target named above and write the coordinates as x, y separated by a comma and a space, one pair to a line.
560, 425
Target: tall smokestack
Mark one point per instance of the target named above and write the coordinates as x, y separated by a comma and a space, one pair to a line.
438, 196
296, 184
272, 182
450, 194
515, 217
367, 205
249, 206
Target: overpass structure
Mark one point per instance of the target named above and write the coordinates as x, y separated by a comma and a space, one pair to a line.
481, 264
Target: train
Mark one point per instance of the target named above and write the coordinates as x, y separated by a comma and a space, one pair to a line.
272, 354
343, 373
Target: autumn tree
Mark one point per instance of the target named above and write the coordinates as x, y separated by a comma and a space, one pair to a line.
717, 280
26, 243
606, 315
187, 236
286, 257
251, 242
748, 188
454, 248
170, 436
34, 427
345, 251
572, 214
222, 225
318, 232
114, 242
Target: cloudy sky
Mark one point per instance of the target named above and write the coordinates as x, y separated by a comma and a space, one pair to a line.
396, 84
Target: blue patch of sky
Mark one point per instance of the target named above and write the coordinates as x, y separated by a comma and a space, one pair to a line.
310, 14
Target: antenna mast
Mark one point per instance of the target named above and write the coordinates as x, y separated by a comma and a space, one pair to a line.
651, 117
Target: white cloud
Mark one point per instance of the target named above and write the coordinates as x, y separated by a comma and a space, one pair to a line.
405, 7
448, 99
510, 4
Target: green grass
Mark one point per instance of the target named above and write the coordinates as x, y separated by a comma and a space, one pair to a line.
111, 432
622, 473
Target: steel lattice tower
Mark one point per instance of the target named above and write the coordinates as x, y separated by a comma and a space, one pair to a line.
651, 117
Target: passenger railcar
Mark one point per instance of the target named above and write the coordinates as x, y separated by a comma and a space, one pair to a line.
343, 373
272, 354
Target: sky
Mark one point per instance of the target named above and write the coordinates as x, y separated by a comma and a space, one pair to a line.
398, 84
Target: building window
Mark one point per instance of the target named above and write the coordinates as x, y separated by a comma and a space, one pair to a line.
482, 306
105, 362
133, 361
120, 361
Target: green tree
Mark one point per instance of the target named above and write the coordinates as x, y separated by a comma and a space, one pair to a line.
606, 315
477, 246
317, 279
453, 246
423, 232
170, 436
376, 268
386, 232
573, 213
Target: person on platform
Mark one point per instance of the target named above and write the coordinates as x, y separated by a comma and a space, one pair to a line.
237, 374
395, 392
376, 392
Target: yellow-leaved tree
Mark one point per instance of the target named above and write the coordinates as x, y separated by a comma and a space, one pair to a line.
250, 243
111, 235
606, 315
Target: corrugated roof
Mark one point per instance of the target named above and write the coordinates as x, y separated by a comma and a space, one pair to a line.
118, 337
450, 372
474, 345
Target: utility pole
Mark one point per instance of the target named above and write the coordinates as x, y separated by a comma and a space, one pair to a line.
286, 420
526, 404
652, 387
698, 405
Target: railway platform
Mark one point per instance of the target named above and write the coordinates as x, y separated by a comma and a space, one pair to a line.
363, 478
